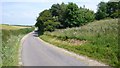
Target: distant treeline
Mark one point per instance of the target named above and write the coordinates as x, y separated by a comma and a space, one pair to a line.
70, 15
23, 25
18, 25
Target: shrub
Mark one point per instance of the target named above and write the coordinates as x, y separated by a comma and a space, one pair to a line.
50, 25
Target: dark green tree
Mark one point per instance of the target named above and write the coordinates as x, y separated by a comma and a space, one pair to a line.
86, 15
50, 25
71, 15
102, 11
61, 17
113, 9
55, 9
40, 26
43, 17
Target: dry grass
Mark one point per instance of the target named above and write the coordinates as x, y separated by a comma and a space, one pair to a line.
9, 27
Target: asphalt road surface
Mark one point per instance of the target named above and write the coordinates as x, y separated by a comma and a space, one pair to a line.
37, 53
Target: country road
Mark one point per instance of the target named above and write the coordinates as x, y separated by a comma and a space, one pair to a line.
37, 53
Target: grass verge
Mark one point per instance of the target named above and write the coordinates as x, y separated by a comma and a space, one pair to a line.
10, 45
101, 37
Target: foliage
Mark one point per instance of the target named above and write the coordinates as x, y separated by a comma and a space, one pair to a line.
66, 15
72, 15
109, 9
55, 9
50, 25
43, 17
101, 37
85, 16
45, 22
102, 11
113, 9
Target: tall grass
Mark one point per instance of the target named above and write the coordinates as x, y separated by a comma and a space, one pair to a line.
10, 45
0, 48
101, 37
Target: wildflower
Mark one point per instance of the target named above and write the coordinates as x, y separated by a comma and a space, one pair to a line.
74, 33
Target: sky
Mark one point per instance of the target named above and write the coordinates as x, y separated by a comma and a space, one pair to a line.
25, 12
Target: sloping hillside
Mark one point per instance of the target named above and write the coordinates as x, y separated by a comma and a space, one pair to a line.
98, 40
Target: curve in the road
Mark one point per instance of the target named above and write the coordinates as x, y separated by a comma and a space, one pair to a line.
37, 53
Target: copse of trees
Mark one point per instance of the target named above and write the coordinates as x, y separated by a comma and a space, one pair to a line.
70, 15
109, 9
63, 16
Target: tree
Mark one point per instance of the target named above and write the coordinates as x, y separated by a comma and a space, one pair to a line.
55, 9
89, 16
45, 22
50, 25
40, 26
85, 16
71, 18
102, 11
113, 9
61, 17
109, 9
43, 17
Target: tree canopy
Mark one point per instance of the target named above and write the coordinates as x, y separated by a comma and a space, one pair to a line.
109, 9
70, 15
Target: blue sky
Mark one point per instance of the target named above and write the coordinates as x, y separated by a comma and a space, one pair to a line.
25, 12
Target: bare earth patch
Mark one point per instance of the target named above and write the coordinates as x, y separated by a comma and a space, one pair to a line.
76, 42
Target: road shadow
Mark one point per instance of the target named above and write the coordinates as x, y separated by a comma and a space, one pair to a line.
37, 33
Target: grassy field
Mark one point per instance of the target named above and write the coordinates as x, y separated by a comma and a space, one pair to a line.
11, 36
9, 27
97, 40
